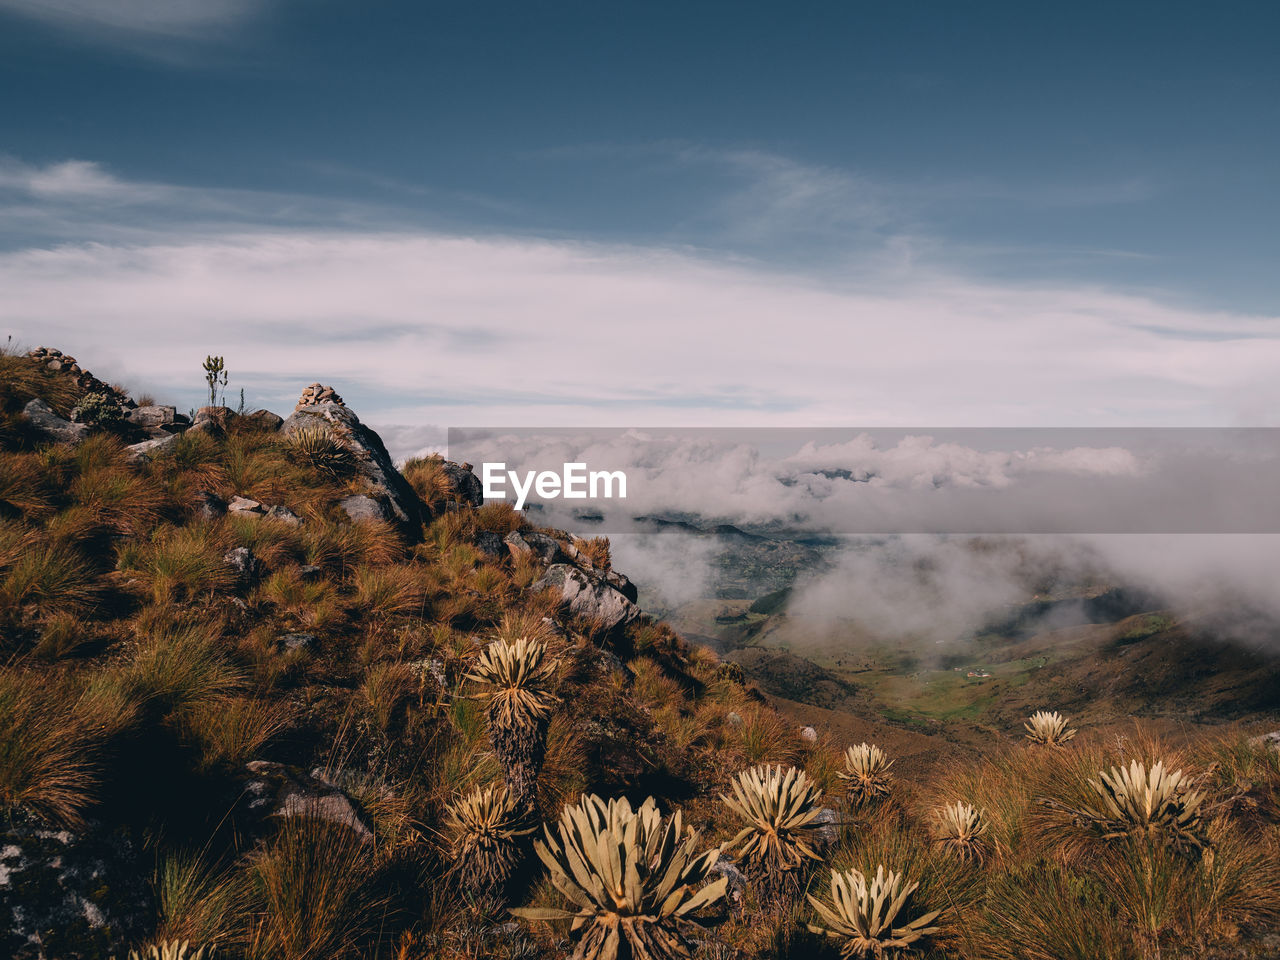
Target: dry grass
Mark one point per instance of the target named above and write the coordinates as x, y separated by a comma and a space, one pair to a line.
232, 731
47, 753
312, 893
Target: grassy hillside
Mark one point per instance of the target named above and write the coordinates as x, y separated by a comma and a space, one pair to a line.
290, 734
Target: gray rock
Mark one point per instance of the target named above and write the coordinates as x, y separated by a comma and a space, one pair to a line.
153, 416
45, 419
529, 543
368, 452
361, 509
465, 485
808, 735
243, 505
1271, 740
311, 571
209, 506
150, 449
274, 790
283, 515
69, 896
212, 420
265, 420
622, 583
588, 597
490, 544
247, 566
737, 886
299, 641
826, 829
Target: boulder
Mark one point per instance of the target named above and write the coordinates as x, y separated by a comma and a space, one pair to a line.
736, 889
369, 453
246, 565
153, 416
362, 509
209, 506
212, 419
69, 896
490, 544
264, 420
274, 790
243, 505
588, 597
464, 485
622, 583
826, 829
150, 449
283, 515
45, 419
298, 641
529, 543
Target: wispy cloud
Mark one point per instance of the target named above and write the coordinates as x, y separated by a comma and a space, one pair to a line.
108, 19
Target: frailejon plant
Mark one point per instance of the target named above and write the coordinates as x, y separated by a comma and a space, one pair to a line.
864, 916
633, 875
780, 805
959, 829
517, 676
1155, 802
866, 773
1049, 729
484, 828
173, 950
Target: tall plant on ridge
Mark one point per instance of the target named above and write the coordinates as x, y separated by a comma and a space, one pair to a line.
517, 676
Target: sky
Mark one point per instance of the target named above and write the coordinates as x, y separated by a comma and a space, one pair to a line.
634, 214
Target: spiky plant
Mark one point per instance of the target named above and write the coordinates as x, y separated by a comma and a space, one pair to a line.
173, 950
863, 914
516, 676
959, 829
1150, 803
483, 829
780, 806
632, 874
866, 772
1048, 728
319, 447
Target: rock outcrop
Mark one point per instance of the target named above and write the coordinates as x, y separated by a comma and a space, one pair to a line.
69, 896
588, 596
274, 790
59, 429
367, 450
86, 382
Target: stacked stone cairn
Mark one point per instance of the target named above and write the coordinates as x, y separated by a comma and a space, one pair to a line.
316, 394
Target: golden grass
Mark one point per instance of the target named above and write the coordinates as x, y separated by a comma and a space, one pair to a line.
48, 753
312, 894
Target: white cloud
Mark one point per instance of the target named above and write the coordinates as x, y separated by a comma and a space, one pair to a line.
425, 327
171, 18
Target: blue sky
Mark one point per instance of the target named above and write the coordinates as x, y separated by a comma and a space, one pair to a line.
892, 184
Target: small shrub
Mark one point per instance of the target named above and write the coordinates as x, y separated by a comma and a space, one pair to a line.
98, 408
